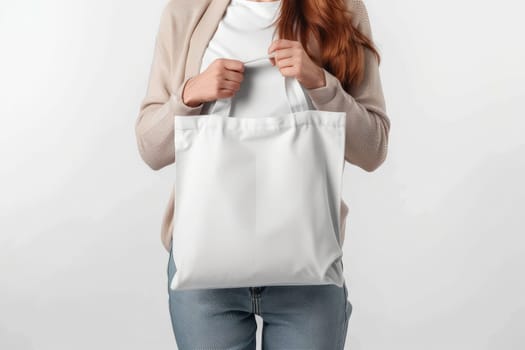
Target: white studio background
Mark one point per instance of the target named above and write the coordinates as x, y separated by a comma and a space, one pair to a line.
434, 253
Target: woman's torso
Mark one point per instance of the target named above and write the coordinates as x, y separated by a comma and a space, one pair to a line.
245, 32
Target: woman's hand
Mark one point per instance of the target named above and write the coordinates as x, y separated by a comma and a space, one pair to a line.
293, 61
222, 79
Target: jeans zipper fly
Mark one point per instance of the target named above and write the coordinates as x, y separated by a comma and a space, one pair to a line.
256, 299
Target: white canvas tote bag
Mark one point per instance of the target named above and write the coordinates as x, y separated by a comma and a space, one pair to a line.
258, 199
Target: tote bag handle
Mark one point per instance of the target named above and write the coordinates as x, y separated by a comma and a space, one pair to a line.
294, 94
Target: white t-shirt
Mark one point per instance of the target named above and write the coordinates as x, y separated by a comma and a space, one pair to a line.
245, 32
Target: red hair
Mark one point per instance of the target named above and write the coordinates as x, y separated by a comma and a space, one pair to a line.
342, 46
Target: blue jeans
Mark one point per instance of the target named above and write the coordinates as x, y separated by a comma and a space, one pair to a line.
298, 317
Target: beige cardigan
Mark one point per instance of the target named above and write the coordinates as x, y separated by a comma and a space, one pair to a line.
186, 26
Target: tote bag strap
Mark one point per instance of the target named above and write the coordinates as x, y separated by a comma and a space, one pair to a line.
294, 94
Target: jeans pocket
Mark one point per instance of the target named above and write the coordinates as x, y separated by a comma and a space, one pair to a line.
170, 268
347, 313
348, 304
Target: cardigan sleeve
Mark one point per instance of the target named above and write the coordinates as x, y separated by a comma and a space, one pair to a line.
367, 123
154, 127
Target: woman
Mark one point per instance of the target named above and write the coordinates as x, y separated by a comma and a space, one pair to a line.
199, 53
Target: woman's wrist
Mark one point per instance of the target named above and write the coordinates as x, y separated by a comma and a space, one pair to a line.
321, 80
318, 78
187, 98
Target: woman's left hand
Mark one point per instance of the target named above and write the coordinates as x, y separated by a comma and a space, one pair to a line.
293, 61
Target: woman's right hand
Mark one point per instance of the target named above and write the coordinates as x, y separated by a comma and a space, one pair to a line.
222, 79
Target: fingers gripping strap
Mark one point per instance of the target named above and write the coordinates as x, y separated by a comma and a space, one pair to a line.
294, 93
